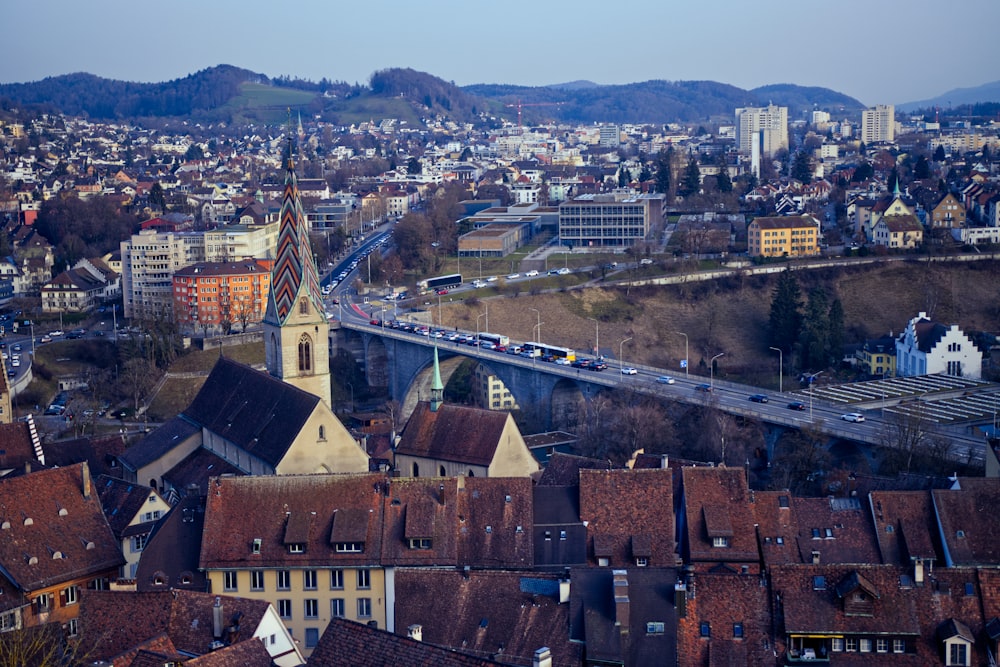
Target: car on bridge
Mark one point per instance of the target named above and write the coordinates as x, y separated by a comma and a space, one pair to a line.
628, 370
758, 398
796, 405
855, 417
665, 379
707, 388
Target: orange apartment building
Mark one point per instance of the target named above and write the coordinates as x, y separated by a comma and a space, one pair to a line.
221, 294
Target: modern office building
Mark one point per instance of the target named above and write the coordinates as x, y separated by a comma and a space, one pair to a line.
612, 220
763, 128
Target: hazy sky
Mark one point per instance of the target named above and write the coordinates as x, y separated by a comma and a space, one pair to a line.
879, 51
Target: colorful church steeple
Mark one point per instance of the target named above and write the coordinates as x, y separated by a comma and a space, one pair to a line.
296, 330
437, 387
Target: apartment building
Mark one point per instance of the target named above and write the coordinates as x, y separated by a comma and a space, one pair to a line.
792, 236
614, 220
150, 259
878, 124
761, 128
221, 294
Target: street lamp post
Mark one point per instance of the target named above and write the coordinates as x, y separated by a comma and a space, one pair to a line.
538, 315
812, 379
479, 317
597, 337
687, 360
711, 369
621, 353
780, 368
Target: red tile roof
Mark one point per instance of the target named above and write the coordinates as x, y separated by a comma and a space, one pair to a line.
723, 491
453, 433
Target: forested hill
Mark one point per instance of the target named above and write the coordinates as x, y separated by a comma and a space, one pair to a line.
231, 94
88, 95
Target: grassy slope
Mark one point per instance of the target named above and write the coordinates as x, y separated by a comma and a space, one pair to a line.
731, 316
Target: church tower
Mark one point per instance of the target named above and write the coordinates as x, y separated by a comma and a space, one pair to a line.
296, 331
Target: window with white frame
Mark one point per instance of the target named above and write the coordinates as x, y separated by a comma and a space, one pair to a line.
309, 580
311, 608
837, 644
285, 609
865, 644
720, 541
364, 579
364, 607
229, 581
898, 646
851, 644
337, 608
256, 580
336, 580
881, 645
71, 595
284, 580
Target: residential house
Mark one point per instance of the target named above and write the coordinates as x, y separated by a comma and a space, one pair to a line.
171, 552
54, 543
132, 511
311, 545
724, 619
449, 440
790, 236
926, 347
966, 524
184, 625
80, 289
898, 232
947, 213
877, 356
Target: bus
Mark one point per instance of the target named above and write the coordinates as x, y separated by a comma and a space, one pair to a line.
498, 340
550, 351
441, 282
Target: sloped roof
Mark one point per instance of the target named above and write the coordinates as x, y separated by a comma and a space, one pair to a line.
15, 441
725, 600
115, 621
564, 469
490, 512
421, 508
159, 442
622, 506
121, 500
902, 223
242, 509
172, 550
258, 413
51, 532
904, 525
516, 611
786, 222
718, 490
453, 433
967, 517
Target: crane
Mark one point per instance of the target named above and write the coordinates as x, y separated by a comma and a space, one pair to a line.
530, 104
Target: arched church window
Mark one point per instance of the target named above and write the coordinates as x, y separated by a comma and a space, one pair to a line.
303, 306
305, 354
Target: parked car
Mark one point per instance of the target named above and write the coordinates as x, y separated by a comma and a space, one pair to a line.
796, 405
758, 398
665, 379
855, 417
628, 370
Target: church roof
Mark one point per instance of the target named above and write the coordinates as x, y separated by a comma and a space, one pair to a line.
294, 269
453, 433
260, 414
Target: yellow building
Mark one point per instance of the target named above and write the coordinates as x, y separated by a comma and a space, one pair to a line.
877, 357
792, 236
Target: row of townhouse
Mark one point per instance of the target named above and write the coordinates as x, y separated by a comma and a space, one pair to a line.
761, 577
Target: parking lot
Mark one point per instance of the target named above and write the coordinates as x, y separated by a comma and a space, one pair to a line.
939, 398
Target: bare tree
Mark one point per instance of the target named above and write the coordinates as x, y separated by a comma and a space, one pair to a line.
138, 376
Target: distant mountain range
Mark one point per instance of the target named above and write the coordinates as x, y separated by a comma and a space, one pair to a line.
988, 92
231, 94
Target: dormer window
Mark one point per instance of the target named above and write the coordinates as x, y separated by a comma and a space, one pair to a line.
420, 543
256, 545
721, 542
349, 547
296, 548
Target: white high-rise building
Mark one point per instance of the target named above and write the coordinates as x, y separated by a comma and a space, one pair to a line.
765, 127
878, 125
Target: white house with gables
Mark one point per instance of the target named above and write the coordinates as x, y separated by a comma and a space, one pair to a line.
925, 347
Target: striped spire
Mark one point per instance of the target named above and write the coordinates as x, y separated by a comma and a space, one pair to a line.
294, 271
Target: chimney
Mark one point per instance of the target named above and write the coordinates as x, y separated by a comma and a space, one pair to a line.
815, 558
415, 632
620, 589
680, 599
542, 658
217, 618
664, 461
563, 591
85, 471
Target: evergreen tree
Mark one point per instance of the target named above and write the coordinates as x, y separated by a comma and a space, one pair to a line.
802, 167
921, 169
836, 329
939, 154
725, 184
623, 176
157, 199
663, 178
814, 340
644, 174
691, 182
785, 319
413, 166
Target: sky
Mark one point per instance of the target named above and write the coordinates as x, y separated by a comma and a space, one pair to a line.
878, 51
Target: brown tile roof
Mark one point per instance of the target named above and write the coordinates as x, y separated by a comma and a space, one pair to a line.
564, 469
242, 509
495, 519
481, 611
100, 452
786, 222
51, 532
421, 508
196, 469
967, 518
114, 622
453, 433
904, 525
248, 653
722, 491
15, 441
840, 530
725, 601
624, 509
